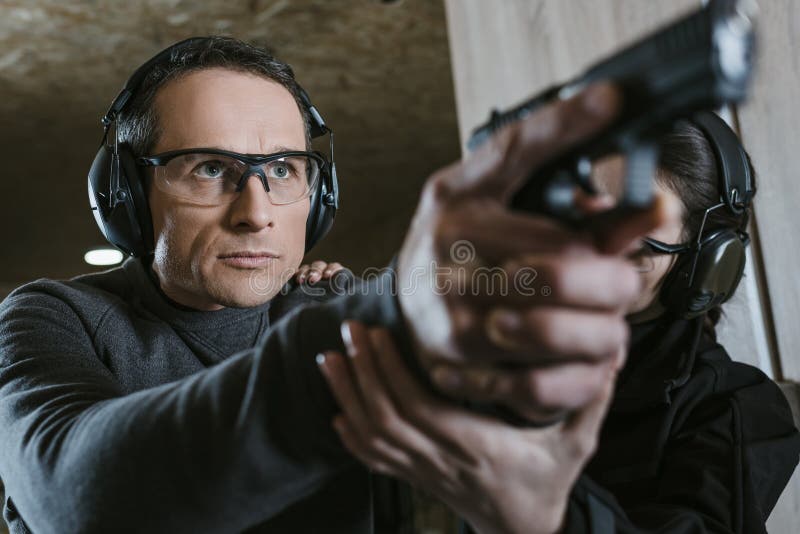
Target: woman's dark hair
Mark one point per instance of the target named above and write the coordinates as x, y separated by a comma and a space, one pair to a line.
138, 124
688, 168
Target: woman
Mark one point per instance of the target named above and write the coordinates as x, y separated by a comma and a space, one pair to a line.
692, 441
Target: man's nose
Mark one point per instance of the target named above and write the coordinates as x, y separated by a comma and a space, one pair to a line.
252, 208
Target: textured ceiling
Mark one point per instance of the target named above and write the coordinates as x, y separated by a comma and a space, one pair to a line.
378, 71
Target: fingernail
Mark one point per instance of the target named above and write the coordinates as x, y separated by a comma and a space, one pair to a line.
347, 338
446, 378
314, 278
506, 321
301, 278
320, 359
327, 272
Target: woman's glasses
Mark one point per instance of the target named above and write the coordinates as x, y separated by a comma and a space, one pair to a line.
644, 256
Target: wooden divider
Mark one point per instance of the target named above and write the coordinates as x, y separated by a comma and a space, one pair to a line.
505, 51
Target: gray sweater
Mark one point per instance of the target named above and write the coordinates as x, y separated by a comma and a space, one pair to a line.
120, 412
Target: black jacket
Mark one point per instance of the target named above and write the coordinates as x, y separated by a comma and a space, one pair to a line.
693, 441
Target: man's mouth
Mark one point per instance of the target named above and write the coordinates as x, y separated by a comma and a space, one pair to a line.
247, 259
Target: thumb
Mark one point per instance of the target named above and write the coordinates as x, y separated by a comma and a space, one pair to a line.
502, 164
620, 233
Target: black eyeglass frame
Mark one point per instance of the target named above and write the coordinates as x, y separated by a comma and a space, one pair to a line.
253, 161
659, 247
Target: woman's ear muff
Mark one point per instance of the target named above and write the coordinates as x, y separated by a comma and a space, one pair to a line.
706, 276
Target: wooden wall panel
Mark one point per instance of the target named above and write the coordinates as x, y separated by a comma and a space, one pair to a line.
770, 128
745, 329
770, 124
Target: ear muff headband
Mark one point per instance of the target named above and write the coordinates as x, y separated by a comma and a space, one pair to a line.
115, 182
736, 182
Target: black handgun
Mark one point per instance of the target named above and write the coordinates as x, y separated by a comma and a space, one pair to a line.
702, 61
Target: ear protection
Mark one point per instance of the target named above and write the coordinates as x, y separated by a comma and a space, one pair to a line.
707, 274
116, 191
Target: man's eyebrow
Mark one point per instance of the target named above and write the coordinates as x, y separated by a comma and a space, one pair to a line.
282, 148
272, 149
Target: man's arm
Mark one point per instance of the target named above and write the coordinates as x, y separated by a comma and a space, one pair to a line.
220, 450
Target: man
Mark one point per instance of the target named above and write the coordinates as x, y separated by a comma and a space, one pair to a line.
165, 395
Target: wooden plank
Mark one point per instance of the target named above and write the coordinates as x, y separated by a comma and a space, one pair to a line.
742, 328
770, 125
745, 329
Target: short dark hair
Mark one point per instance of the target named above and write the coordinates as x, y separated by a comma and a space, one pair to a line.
689, 169
138, 124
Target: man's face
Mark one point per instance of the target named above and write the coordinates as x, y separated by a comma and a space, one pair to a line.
237, 254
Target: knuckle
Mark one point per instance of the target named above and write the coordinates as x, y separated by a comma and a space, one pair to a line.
385, 421
372, 443
558, 275
545, 330
550, 122
532, 391
437, 188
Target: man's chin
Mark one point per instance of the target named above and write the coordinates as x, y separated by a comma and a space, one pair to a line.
248, 293
245, 288
241, 297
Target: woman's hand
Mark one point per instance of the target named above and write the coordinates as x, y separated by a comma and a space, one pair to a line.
498, 477
318, 270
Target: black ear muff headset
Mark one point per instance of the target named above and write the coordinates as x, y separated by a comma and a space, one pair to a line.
116, 191
707, 271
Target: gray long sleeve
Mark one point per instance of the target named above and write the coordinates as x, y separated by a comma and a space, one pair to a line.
218, 450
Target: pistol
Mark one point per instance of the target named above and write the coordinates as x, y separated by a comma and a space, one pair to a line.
702, 61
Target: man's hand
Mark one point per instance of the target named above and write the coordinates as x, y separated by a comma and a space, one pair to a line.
500, 478
539, 350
